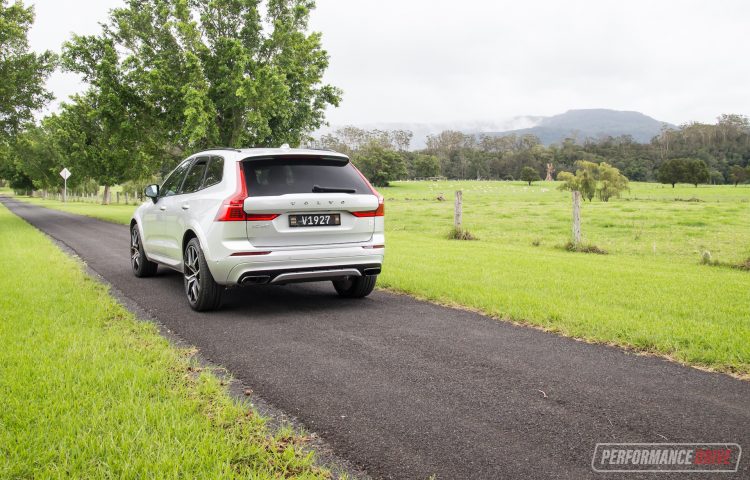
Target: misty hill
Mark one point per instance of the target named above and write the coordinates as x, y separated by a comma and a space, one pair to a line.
591, 123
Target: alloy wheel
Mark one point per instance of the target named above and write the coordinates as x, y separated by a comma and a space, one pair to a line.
192, 274
135, 249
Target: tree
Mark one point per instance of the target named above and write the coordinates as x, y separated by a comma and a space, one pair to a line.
100, 141
212, 73
738, 174
425, 166
37, 158
22, 73
672, 171
696, 171
591, 179
529, 174
586, 173
610, 182
379, 164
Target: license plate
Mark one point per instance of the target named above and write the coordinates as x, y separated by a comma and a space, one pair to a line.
315, 220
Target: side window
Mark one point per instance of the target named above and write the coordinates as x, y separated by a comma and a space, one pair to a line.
194, 178
172, 184
215, 171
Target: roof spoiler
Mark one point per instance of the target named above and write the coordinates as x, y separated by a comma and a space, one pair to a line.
338, 160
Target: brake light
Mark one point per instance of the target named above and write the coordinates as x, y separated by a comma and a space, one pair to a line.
231, 209
380, 211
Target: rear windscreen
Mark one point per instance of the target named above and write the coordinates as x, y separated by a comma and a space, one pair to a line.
280, 176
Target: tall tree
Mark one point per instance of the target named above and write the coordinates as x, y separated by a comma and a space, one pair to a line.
672, 171
529, 174
100, 141
22, 73
696, 171
380, 165
738, 174
215, 72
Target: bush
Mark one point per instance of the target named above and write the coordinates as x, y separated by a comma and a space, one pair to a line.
461, 234
584, 248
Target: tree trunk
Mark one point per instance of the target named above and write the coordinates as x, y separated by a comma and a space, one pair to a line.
576, 218
105, 196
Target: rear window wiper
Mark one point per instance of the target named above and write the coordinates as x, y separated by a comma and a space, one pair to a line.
319, 189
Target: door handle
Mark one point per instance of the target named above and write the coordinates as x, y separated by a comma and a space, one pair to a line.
185, 206
162, 208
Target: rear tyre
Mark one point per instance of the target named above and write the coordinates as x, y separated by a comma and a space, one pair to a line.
142, 266
355, 287
203, 293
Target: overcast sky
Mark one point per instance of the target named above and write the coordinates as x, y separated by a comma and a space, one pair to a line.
480, 60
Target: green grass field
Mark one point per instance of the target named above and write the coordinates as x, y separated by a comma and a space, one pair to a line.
650, 293
90, 392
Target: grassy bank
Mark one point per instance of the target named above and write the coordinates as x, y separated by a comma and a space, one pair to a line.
649, 293
89, 392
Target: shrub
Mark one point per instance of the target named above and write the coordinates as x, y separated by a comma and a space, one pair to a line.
584, 248
461, 234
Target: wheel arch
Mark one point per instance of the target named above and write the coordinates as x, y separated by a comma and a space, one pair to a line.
187, 236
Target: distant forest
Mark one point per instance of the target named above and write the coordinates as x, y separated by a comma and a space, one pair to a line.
456, 155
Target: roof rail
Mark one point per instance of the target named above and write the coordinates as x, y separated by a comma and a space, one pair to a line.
322, 149
225, 148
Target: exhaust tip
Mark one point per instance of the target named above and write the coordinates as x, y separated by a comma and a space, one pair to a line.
371, 271
255, 279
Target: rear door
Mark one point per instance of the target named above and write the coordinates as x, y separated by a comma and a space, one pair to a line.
155, 229
307, 200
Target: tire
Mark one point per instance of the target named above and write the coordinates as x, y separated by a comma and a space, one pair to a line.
355, 287
202, 292
142, 266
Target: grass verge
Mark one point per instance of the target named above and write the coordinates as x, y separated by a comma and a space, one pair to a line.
90, 392
115, 213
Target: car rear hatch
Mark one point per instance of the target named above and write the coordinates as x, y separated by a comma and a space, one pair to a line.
304, 200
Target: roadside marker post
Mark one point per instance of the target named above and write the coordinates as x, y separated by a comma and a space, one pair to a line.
65, 173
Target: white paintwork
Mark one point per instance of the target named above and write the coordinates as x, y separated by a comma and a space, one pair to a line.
163, 225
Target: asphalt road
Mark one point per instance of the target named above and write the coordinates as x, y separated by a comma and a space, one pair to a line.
407, 389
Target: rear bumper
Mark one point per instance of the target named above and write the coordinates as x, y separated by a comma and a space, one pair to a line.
299, 275
231, 270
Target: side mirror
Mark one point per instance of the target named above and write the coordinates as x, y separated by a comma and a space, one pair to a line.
152, 192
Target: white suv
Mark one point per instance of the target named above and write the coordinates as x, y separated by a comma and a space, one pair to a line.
229, 217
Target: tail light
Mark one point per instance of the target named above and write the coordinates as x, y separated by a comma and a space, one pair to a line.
380, 211
232, 209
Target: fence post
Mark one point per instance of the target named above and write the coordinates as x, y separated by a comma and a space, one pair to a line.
458, 210
576, 217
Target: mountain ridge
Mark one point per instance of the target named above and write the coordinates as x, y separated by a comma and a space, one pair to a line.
577, 123
592, 123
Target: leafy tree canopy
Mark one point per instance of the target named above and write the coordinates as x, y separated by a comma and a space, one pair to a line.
529, 174
22, 73
204, 73
380, 165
